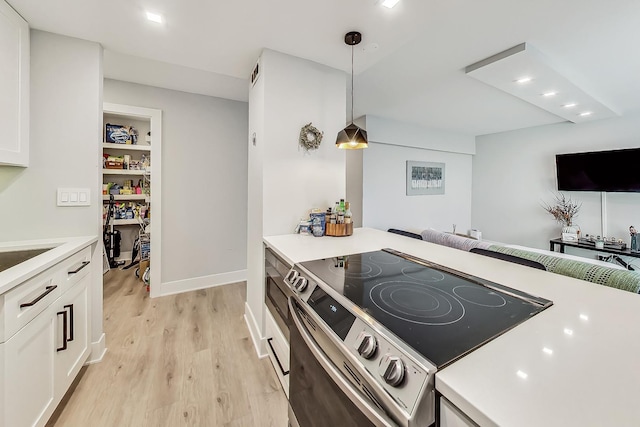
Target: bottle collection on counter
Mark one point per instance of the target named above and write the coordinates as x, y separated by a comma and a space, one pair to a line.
336, 221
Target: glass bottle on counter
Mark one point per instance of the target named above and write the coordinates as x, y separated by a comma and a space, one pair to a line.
334, 214
347, 213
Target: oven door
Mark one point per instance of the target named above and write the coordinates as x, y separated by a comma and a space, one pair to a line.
319, 393
276, 301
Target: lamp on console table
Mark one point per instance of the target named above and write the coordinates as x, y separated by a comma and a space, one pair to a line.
634, 239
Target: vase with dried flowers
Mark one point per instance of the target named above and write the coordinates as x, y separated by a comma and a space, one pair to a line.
564, 210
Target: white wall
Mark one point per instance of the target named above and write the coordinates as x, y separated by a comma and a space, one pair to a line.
298, 92
66, 105
285, 181
514, 172
354, 164
411, 135
254, 310
65, 134
384, 190
204, 183
386, 204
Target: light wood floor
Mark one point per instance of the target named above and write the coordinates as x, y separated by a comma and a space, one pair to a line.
182, 360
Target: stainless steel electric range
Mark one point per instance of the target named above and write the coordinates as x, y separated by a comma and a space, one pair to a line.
370, 330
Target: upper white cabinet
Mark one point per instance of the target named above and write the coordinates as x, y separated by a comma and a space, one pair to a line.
14, 87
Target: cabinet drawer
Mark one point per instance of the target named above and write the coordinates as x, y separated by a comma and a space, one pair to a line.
74, 268
24, 302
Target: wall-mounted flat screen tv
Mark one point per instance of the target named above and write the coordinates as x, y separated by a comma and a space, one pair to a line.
608, 171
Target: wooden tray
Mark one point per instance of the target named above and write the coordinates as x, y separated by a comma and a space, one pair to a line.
339, 230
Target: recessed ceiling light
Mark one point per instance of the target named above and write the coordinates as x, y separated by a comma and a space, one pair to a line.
586, 113
568, 331
524, 72
390, 3
584, 317
154, 17
522, 375
547, 350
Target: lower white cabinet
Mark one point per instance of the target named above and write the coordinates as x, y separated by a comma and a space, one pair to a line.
451, 416
39, 362
29, 395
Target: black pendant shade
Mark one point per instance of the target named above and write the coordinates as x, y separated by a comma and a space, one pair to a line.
352, 137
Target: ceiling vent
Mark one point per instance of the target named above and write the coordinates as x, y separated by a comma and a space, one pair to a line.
255, 73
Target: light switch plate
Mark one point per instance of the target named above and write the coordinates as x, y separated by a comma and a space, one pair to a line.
74, 197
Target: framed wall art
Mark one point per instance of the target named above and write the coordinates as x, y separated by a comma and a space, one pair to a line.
425, 178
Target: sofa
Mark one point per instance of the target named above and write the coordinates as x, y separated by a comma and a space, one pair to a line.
580, 268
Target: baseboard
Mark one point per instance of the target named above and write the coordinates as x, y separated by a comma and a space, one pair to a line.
193, 284
258, 341
98, 350
124, 256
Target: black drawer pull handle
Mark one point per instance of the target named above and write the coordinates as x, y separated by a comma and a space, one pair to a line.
70, 307
277, 358
46, 292
64, 327
83, 265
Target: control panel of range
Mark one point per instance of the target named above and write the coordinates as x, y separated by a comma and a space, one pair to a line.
400, 376
299, 283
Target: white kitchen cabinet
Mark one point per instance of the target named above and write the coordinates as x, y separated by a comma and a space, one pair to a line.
14, 87
45, 340
451, 416
28, 368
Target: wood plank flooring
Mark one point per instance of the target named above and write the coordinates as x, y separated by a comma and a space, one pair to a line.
181, 360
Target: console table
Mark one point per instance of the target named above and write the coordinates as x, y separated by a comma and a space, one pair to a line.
562, 244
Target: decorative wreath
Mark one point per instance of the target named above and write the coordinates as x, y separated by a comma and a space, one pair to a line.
310, 137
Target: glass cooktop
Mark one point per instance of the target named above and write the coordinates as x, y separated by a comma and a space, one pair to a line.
441, 313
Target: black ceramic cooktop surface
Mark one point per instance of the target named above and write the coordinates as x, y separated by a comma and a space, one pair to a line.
442, 314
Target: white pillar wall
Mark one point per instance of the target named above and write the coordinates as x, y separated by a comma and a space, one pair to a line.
285, 181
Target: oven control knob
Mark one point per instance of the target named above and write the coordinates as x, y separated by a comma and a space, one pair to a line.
300, 284
366, 345
391, 370
291, 277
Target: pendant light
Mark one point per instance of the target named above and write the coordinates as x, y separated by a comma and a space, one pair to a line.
352, 137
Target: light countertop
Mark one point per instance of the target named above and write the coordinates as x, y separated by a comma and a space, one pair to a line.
62, 248
574, 364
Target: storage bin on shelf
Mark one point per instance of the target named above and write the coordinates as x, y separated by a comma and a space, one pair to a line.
339, 230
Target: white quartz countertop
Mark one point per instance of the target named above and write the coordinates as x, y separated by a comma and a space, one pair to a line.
62, 248
574, 364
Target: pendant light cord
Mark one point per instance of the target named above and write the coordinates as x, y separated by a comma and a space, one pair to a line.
351, 83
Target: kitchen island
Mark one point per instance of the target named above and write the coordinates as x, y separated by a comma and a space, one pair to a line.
546, 370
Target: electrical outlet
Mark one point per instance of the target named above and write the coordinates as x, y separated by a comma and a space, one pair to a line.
74, 197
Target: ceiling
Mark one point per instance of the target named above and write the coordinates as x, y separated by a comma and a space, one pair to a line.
409, 67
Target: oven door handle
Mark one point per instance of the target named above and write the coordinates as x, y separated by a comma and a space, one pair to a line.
371, 412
